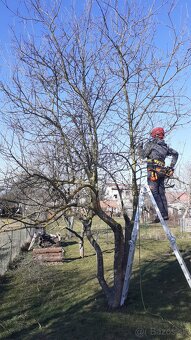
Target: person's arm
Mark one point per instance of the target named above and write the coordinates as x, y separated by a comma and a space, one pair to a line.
174, 154
146, 150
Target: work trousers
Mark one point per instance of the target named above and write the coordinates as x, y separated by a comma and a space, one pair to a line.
158, 191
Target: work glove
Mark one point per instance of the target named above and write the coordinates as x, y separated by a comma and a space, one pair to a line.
169, 171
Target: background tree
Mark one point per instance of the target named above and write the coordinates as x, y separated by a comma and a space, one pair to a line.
79, 100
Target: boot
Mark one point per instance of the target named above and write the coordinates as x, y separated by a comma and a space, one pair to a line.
156, 220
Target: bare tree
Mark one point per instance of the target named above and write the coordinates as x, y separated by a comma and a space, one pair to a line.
151, 77
79, 100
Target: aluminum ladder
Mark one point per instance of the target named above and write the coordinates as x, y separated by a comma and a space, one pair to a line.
132, 242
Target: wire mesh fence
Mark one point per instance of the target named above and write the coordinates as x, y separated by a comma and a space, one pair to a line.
11, 243
185, 224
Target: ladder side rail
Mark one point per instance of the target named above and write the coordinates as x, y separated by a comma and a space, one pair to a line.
132, 244
164, 225
171, 239
181, 262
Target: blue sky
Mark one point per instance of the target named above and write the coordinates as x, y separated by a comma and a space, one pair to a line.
180, 139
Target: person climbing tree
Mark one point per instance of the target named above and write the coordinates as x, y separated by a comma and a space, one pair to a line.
156, 151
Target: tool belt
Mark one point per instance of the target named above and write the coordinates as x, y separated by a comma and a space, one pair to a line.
157, 170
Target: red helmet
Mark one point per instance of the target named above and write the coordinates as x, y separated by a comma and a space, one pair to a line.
157, 132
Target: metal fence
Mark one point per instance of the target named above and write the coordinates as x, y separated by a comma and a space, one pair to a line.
185, 224
11, 243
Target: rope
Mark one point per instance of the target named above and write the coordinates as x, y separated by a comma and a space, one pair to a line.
141, 289
140, 273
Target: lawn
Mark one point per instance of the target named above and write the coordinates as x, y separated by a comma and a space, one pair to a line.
64, 301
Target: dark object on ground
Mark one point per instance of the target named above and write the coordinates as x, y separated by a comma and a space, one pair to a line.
45, 240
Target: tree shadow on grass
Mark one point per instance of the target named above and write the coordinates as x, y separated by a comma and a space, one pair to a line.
4, 285
108, 251
68, 243
4, 253
70, 259
61, 305
160, 289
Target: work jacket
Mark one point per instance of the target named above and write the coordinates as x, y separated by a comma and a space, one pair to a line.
157, 150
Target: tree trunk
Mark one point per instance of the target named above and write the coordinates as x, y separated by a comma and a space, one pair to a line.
100, 265
81, 243
114, 298
70, 223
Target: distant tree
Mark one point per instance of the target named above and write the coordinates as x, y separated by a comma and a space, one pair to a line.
84, 91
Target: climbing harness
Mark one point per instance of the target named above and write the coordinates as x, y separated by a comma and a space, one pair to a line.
156, 161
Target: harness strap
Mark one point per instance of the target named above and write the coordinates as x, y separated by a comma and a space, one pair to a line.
156, 161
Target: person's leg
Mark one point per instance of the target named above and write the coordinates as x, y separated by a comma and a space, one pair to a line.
158, 191
164, 210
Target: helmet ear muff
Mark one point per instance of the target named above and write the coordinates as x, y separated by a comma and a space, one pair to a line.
160, 135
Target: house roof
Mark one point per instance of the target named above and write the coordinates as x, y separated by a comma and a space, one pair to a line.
177, 197
120, 185
109, 204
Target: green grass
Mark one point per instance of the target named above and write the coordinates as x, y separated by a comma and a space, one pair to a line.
64, 301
